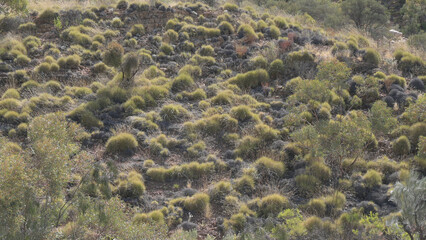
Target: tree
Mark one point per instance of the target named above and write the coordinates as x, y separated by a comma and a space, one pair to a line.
413, 17
410, 198
366, 14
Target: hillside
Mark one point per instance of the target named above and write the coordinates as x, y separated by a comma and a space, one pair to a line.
187, 121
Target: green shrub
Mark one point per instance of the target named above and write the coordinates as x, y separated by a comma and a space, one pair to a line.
265, 133
248, 147
113, 55
243, 113
137, 30
222, 98
237, 222
131, 185
281, 22
268, 167
123, 143
416, 130
85, 117
230, 7
298, 63
320, 171
174, 113
219, 191
335, 201
206, 50
22, 60
372, 178
276, 68
247, 32
196, 149
274, 32
10, 104
117, 23
46, 17
401, 146
27, 27
199, 203
11, 93
317, 206
272, 204
182, 82
307, 184
259, 62
166, 49
170, 36
11, 117
69, 62
250, 79
226, 28
409, 64
371, 57
196, 95
245, 184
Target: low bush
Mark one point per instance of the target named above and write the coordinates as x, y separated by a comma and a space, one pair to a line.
237, 222
401, 146
250, 79
248, 147
274, 32
259, 62
11, 93
174, 113
265, 133
267, 167
69, 62
372, 179
166, 49
206, 50
320, 171
226, 28
276, 69
410, 64
307, 184
182, 82
230, 7
246, 31
219, 191
137, 30
335, 201
281, 22
245, 184
199, 203
243, 113
130, 185
416, 130
272, 204
317, 206
85, 117
123, 143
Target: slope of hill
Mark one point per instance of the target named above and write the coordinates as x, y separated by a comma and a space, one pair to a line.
183, 122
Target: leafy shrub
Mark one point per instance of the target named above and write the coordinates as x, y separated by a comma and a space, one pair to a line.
237, 222
381, 118
245, 184
226, 28
206, 50
320, 171
415, 131
131, 185
401, 146
308, 184
372, 178
268, 167
281, 22
137, 30
70, 62
46, 17
335, 201
182, 82
11, 93
274, 32
199, 203
276, 68
259, 62
246, 31
300, 63
250, 79
117, 23
166, 49
248, 147
113, 55
85, 117
272, 204
317, 206
123, 143
265, 133
409, 63
243, 113
230, 7
219, 191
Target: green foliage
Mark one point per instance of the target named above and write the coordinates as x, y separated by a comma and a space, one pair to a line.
372, 179
230, 7
85, 117
206, 50
123, 143
182, 82
130, 185
237, 222
272, 204
401, 146
219, 191
276, 68
337, 73
417, 130
371, 57
199, 203
166, 49
268, 167
381, 118
366, 14
245, 184
412, 13
69, 62
307, 184
226, 28
274, 32
174, 113
246, 31
137, 30
409, 63
320, 171
113, 55
250, 79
